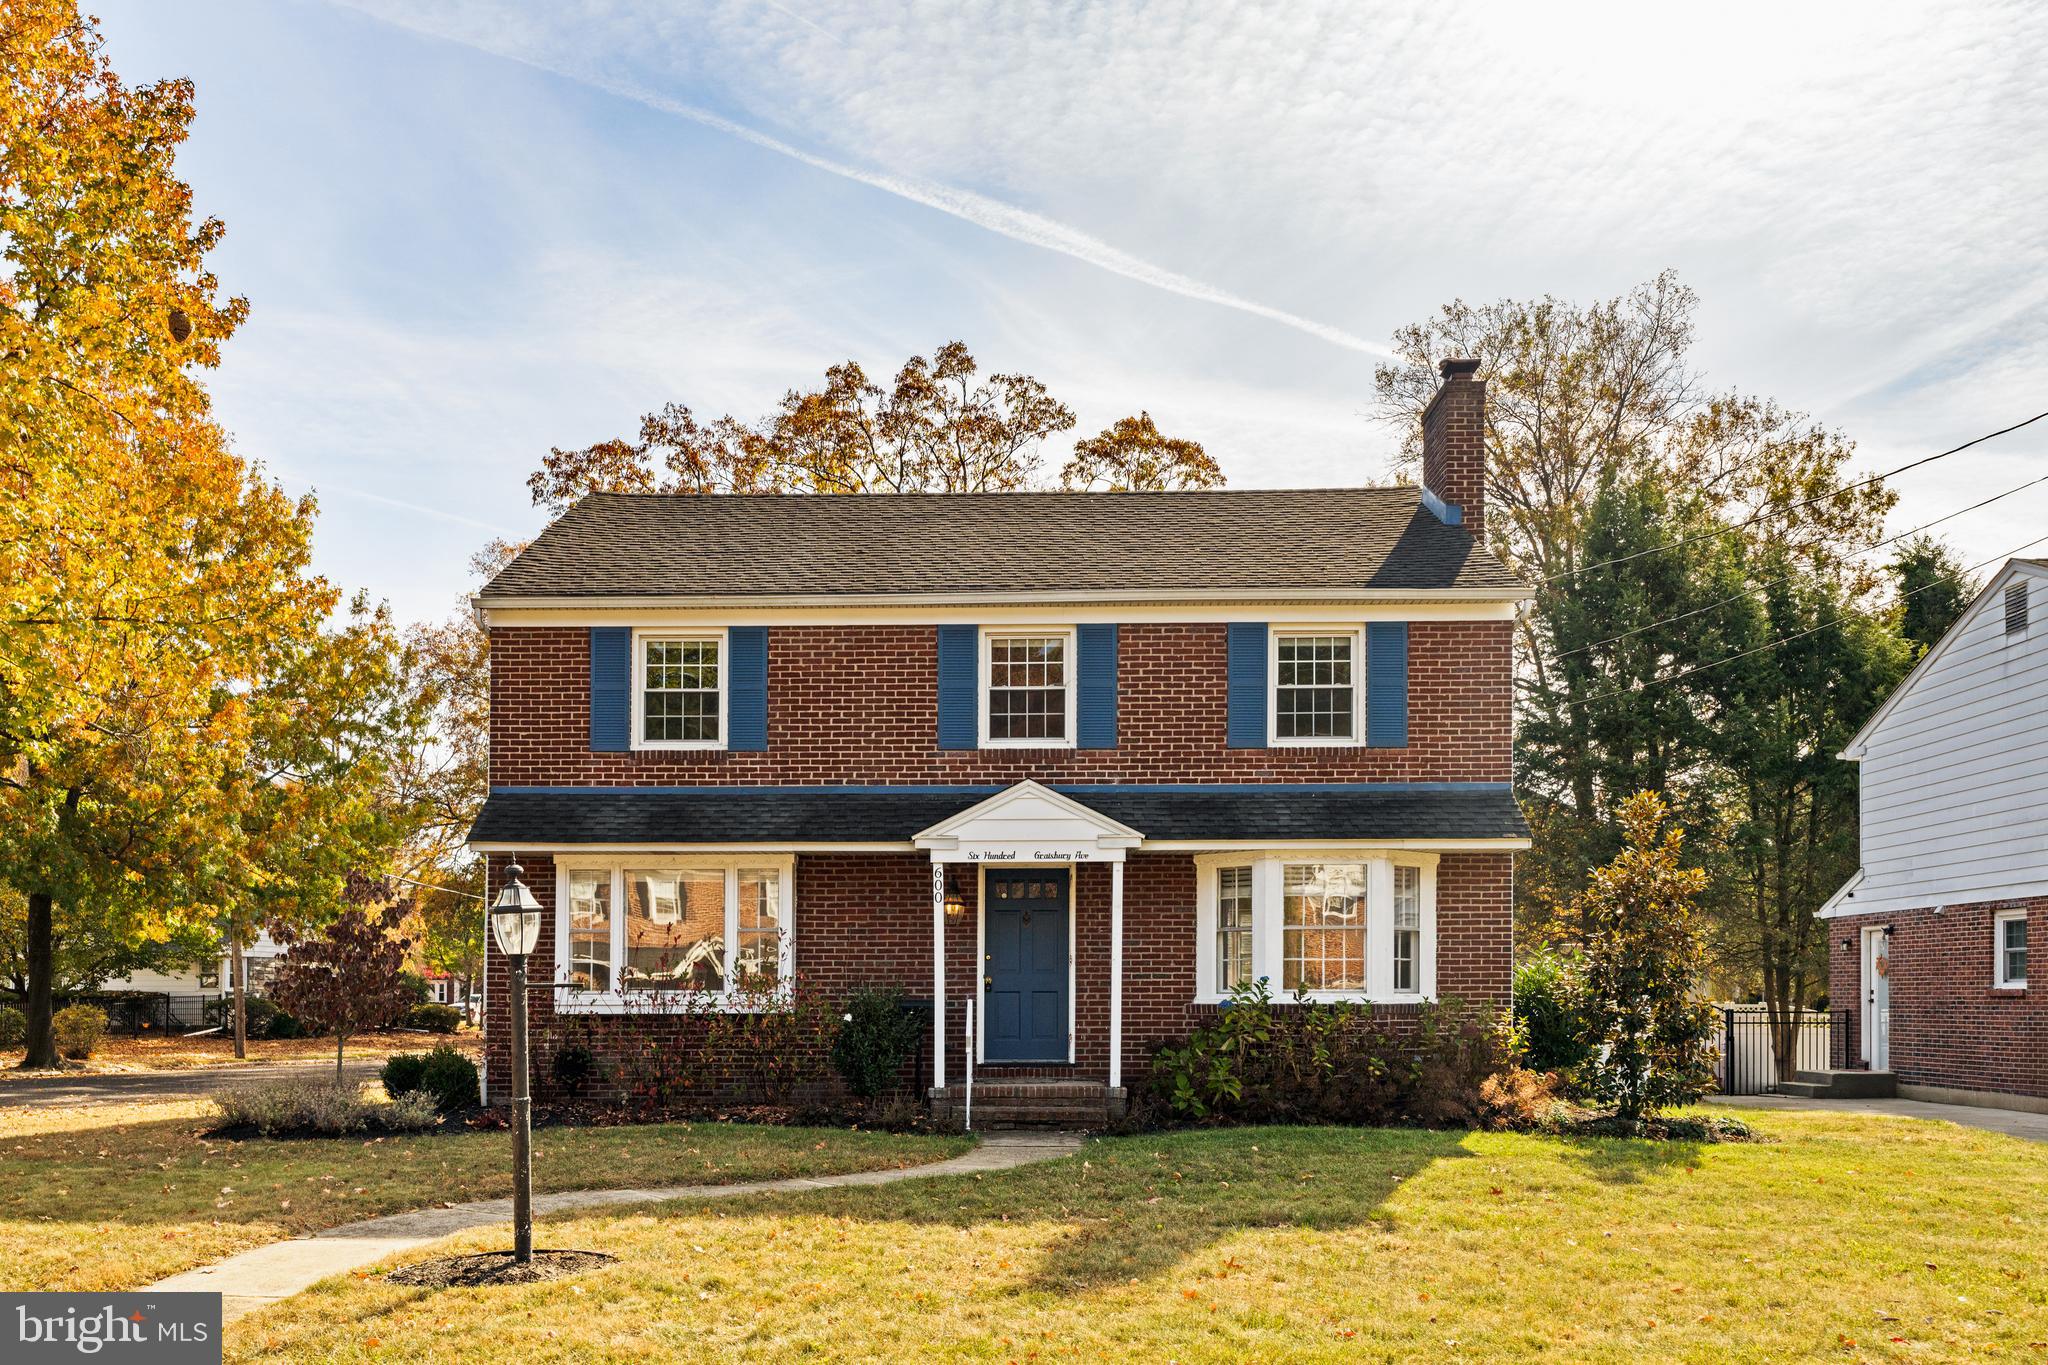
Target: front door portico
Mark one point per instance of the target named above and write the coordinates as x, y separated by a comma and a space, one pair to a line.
1029, 840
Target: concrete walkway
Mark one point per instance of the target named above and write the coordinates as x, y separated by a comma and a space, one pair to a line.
265, 1274
2014, 1122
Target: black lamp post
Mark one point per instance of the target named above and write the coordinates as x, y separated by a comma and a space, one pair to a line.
515, 923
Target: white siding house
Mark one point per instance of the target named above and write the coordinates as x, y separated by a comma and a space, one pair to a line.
1954, 765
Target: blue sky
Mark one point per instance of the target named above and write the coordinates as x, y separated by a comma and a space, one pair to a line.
471, 230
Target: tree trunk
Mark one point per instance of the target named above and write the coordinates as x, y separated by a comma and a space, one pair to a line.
339, 1039
42, 971
236, 965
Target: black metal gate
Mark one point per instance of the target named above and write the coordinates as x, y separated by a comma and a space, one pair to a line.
1749, 1062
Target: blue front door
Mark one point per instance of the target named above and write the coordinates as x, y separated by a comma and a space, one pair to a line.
1024, 993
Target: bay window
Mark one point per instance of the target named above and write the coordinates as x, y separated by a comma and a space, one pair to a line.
1341, 926
644, 929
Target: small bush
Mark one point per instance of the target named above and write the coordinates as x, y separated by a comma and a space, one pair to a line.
574, 1066
451, 1079
417, 991
79, 1029
295, 1107
432, 1018
409, 1114
1550, 1012
876, 1037
402, 1073
1518, 1098
13, 1027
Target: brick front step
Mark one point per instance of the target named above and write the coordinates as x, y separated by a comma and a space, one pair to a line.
1013, 1103
1841, 1085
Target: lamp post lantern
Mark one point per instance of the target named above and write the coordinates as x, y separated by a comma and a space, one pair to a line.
515, 924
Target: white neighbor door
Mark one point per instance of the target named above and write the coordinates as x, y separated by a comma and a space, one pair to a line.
1877, 1001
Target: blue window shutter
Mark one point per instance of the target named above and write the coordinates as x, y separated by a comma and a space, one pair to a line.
959, 678
746, 689
1386, 684
611, 680
1096, 705
1247, 685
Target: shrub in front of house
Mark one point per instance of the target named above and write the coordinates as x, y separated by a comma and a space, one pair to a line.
13, 1027
574, 1066
432, 1018
79, 1029
451, 1079
307, 1108
1321, 1062
876, 1037
1550, 1012
262, 1016
401, 1073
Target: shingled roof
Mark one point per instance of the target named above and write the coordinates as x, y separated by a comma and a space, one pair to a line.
1324, 541
549, 817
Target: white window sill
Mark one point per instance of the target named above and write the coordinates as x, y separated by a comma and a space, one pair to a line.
1315, 743
1027, 744
2019, 987
679, 1004
1332, 998
673, 745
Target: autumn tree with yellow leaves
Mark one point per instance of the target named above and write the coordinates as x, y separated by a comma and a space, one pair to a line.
184, 737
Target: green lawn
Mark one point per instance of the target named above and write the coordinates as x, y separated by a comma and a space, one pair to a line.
114, 1196
1847, 1237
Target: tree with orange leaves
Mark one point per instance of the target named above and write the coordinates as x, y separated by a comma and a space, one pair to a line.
936, 429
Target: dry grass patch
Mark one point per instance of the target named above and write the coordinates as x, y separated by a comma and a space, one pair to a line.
1846, 1237
117, 1195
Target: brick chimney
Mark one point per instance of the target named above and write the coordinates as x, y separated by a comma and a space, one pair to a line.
1454, 444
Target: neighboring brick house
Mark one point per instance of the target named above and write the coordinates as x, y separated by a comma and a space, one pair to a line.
1929, 941
1083, 760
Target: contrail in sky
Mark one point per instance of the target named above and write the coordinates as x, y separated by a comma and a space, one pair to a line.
1007, 220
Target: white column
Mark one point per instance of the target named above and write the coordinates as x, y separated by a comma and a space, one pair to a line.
938, 974
1116, 974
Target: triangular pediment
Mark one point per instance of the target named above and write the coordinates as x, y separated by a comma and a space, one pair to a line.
1031, 819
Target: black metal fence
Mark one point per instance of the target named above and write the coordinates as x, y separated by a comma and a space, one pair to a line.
1748, 1063
135, 1013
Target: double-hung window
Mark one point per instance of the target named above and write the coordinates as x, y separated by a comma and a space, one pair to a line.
2009, 930
645, 929
1233, 928
1322, 933
1318, 679
1346, 927
679, 691
1028, 689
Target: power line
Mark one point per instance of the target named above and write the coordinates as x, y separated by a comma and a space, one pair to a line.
1780, 511
1738, 596
1801, 635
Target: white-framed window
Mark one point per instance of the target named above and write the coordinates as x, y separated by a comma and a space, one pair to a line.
1316, 687
653, 931
1330, 925
679, 686
2009, 939
1233, 928
1027, 689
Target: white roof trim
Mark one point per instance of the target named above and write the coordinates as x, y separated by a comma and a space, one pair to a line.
1030, 813
1854, 749
1835, 903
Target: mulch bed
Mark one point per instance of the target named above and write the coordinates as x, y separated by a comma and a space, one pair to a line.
496, 1267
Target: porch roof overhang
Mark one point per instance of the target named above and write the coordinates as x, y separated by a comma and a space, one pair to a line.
1159, 817
1028, 823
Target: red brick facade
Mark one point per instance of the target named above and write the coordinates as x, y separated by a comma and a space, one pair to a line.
1950, 1026
858, 705
866, 920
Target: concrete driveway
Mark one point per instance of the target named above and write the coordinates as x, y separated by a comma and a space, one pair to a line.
2013, 1122
55, 1091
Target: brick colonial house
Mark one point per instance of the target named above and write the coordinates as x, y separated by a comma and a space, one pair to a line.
1929, 941
1073, 763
